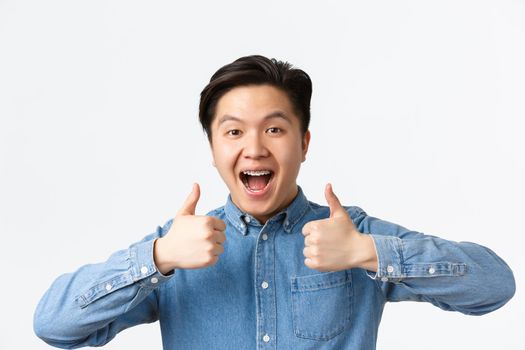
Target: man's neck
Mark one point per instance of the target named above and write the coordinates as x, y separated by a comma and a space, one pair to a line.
287, 201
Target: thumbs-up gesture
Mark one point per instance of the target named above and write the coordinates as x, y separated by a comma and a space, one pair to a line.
334, 243
193, 241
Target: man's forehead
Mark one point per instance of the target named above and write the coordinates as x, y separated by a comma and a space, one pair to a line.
273, 115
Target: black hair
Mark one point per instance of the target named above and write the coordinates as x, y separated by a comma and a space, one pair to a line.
257, 70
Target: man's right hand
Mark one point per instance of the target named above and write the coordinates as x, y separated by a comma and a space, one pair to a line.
193, 241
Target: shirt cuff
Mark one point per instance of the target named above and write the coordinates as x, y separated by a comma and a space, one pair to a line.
144, 270
389, 258
392, 265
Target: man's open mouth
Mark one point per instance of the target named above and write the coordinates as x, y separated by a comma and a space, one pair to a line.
256, 180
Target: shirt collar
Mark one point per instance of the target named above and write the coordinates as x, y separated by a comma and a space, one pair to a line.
289, 215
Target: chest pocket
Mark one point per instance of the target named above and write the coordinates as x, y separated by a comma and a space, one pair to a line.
321, 304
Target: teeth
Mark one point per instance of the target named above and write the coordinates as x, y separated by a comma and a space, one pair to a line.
256, 172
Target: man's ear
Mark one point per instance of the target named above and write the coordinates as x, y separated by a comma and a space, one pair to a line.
306, 142
212, 154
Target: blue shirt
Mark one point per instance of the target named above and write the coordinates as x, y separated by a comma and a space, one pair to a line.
260, 295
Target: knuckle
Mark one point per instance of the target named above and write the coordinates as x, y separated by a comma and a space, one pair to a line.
210, 260
307, 228
312, 226
313, 263
208, 221
314, 240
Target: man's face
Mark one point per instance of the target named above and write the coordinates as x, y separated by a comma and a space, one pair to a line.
258, 148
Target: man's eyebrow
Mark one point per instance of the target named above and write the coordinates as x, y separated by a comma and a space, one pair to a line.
276, 114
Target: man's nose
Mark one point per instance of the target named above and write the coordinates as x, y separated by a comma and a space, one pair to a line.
255, 147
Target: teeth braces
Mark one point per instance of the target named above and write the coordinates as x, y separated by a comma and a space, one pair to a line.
256, 172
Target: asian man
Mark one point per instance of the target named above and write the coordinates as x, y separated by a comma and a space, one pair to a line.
269, 269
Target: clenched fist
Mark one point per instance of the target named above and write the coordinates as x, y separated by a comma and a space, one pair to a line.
193, 241
334, 243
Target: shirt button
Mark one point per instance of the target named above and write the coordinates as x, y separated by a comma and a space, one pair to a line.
266, 338
108, 287
390, 268
264, 236
154, 280
264, 285
144, 270
431, 270
384, 279
247, 219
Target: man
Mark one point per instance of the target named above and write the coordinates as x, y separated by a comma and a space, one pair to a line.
269, 269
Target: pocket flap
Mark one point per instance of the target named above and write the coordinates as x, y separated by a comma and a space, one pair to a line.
320, 281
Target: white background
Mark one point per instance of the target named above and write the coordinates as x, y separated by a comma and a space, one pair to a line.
417, 117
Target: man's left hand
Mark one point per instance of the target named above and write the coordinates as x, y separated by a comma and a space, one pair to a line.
334, 243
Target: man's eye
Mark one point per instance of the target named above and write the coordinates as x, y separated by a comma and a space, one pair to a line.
274, 130
234, 132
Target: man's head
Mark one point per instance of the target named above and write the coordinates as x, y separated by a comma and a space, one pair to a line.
256, 113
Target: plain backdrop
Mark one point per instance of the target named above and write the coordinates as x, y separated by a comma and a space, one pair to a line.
417, 117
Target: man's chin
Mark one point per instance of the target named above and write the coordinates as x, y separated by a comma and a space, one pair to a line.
256, 208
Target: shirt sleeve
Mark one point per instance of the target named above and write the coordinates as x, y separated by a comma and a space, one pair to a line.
455, 276
91, 305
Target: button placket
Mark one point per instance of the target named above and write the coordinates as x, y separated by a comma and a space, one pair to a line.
265, 276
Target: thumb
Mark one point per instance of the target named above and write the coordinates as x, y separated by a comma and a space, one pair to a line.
188, 208
336, 209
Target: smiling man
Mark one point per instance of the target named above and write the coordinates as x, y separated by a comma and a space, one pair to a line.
269, 269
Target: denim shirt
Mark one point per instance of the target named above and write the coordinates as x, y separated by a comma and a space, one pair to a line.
261, 295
